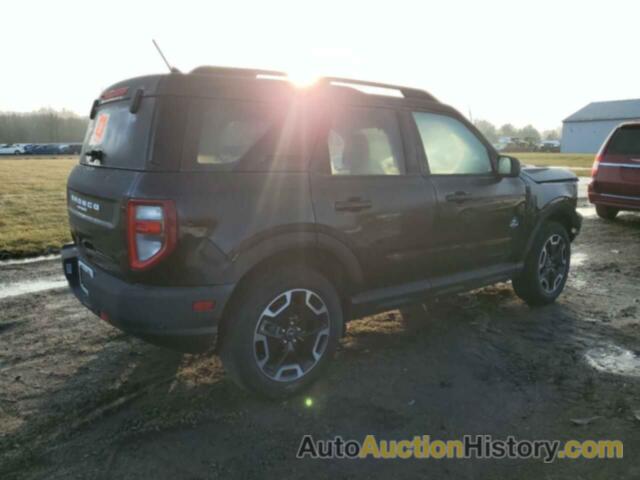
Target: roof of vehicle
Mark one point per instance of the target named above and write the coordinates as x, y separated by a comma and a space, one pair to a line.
208, 81
613, 110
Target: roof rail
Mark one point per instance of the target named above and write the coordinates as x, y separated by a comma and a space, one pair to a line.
236, 72
407, 92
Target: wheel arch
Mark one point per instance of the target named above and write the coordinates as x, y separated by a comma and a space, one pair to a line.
321, 253
560, 210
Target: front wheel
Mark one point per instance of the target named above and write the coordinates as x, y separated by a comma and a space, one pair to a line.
546, 267
282, 331
608, 213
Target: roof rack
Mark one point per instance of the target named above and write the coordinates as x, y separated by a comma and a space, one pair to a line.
236, 72
407, 92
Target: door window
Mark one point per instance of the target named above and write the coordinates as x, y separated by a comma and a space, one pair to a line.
450, 147
364, 141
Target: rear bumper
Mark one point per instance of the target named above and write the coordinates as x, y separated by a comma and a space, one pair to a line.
162, 315
623, 202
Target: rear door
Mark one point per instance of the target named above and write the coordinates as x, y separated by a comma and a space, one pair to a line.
479, 213
368, 194
114, 152
619, 169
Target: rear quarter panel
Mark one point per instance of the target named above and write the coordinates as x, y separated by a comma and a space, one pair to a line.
226, 218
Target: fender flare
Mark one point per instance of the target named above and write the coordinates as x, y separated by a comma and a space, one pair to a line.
245, 259
559, 206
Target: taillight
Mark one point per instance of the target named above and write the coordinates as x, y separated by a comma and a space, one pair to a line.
151, 231
596, 164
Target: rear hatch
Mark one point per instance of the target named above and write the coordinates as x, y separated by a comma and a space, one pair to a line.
116, 149
618, 164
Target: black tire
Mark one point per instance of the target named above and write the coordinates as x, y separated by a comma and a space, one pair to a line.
243, 341
608, 213
538, 284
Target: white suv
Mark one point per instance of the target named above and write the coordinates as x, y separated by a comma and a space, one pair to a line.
11, 149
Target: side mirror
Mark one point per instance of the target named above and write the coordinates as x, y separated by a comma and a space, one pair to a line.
508, 166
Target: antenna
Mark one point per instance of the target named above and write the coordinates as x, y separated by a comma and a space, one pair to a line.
164, 59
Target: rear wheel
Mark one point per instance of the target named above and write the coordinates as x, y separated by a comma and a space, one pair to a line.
608, 213
546, 266
282, 331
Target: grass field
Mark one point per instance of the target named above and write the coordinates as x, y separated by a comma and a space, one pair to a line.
580, 163
33, 215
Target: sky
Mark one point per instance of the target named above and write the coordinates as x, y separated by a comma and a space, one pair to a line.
522, 62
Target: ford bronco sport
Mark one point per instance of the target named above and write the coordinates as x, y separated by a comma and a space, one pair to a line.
228, 209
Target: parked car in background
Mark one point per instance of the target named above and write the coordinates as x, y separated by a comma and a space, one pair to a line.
615, 176
11, 149
70, 148
46, 149
29, 148
549, 146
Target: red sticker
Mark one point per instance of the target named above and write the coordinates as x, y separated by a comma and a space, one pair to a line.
100, 129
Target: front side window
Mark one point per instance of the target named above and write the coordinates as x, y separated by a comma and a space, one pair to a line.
451, 148
364, 141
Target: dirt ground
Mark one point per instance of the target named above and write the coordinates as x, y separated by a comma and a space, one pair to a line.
78, 399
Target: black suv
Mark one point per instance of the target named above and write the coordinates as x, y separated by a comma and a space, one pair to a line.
229, 209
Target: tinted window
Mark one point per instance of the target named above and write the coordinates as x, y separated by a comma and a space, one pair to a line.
451, 148
122, 136
231, 129
364, 141
250, 136
626, 141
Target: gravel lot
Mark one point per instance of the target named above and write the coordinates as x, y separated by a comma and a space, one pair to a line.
78, 399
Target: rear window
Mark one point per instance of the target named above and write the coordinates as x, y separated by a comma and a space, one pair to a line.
626, 141
120, 135
246, 136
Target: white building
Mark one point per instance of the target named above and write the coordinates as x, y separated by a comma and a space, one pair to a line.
587, 129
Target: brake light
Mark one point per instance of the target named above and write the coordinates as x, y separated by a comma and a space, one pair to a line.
115, 94
152, 231
596, 164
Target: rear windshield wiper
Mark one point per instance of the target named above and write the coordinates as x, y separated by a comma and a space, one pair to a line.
95, 156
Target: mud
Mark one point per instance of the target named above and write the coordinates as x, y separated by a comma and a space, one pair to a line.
78, 399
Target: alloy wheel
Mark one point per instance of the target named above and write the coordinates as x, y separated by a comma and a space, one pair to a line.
552, 263
291, 335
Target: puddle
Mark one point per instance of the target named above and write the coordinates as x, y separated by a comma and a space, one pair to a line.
614, 359
20, 261
578, 259
21, 288
587, 212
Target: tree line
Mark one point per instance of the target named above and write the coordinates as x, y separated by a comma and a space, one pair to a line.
528, 132
51, 126
42, 126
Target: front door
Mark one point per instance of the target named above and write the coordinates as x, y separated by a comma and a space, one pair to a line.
479, 213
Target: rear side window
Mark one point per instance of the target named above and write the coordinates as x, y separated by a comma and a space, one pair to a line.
365, 141
122, 136
230, 131
626, 141
246, 136
451, 148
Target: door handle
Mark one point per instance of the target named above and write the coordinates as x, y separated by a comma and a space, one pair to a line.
458, 197
353, 205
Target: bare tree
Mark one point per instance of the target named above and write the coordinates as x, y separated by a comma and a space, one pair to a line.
42, 126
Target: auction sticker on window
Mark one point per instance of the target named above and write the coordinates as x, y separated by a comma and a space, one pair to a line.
100, 129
